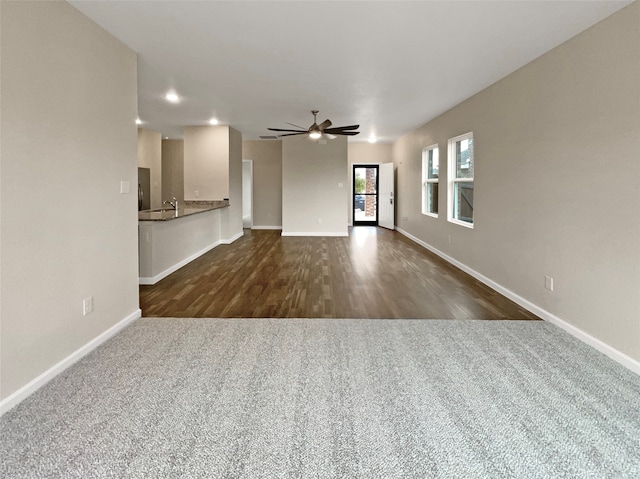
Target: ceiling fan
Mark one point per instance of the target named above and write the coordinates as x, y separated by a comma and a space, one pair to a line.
316, 131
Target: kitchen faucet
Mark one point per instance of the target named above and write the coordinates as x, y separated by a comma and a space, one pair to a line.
174, 204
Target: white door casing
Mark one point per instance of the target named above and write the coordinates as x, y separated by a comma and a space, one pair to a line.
247, 193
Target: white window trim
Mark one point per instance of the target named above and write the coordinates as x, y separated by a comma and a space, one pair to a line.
426, 179
452, 180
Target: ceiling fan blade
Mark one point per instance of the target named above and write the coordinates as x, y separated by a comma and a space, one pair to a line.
342, 128
288, 131
323, 130
297, 126
324, 124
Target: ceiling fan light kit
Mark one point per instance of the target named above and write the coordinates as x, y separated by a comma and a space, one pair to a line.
316, 132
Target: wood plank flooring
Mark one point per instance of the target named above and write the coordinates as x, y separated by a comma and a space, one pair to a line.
373, 273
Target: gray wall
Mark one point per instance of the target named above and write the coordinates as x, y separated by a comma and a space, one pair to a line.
557, 185
267, 176
206, 162
365, 153
267, 181
173, 169
231, 217
312, 202
68, 93
213, 167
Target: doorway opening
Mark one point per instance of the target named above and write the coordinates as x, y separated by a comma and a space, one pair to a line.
365, 195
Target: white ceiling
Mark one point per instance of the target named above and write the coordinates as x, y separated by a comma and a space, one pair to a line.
390, 66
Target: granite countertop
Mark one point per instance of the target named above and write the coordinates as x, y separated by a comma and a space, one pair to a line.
186, 208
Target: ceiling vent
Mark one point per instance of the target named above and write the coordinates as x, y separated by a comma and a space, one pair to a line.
268, 137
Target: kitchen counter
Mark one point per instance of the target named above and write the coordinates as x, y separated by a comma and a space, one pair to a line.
170, 239
186, 208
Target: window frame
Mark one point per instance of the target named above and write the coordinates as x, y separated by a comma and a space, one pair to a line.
453, 180
426, 181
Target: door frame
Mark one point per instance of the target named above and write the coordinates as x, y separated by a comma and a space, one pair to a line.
353, 193
247, 181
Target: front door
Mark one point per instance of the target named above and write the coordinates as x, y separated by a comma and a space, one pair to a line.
365, 195
386, 206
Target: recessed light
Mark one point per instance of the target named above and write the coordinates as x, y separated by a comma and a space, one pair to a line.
166, 137
213, 121
138, 121
172, 97
372, 139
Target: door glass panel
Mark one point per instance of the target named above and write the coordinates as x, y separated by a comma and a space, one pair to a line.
365, 198
366, 180
365, 208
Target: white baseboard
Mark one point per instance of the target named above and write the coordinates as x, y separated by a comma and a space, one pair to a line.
254, 227
233, 238
32, 386
308, 233
154, 279
604, 348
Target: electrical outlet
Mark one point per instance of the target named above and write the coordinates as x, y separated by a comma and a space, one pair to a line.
197, 194
319, 221
548, 283
449, 238
404, 218
87, 305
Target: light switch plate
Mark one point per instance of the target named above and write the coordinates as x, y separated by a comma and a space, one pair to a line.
87, 305
125, 187
548, 283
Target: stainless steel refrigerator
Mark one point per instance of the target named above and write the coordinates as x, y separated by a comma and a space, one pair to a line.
144, 189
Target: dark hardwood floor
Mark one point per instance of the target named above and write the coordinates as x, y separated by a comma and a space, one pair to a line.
373, 273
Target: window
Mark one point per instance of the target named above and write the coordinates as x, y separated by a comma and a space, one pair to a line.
430, 167
460, 173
